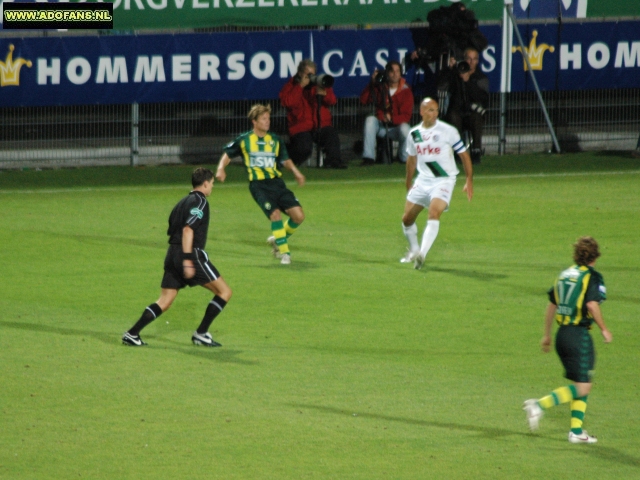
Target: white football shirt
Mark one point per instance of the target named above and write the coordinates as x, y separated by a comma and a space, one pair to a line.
433, 147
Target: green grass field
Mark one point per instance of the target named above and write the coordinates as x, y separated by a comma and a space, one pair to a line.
344, 365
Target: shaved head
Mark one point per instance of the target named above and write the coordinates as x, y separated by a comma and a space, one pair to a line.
429, 112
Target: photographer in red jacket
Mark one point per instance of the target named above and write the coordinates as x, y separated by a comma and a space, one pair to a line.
393, 100
301, 96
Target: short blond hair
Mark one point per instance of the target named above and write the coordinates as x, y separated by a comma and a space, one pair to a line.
257, 110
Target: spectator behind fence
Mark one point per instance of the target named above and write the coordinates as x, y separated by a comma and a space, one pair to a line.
301, 96
468, 93
393, 101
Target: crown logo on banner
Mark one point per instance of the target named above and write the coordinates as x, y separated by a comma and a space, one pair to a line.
10, 69
534, 52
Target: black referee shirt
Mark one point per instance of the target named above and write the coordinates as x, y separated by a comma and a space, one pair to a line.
192, 210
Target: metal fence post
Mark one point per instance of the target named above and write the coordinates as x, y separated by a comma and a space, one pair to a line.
135, 121
505, 77
508, 5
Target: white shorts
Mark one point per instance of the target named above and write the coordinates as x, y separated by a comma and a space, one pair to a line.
425, 190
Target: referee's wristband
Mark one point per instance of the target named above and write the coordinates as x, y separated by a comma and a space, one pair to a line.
189, 256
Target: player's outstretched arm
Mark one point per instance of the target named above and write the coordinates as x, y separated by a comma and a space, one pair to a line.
221, 175
549, 315
594, 309
289, 165
468, 170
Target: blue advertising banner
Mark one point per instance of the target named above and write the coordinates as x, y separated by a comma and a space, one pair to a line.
196, 67
579, 56
235, 66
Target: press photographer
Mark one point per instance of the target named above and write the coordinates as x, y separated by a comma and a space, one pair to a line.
307, 98
393, 102
450, 45
467, 90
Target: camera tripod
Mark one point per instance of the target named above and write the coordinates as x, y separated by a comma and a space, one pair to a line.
388, 145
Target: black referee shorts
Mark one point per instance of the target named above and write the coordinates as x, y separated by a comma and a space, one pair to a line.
272, 194
173, 271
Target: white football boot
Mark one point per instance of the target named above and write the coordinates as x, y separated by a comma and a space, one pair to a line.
584, 437
409, 257
534, 413
274, 247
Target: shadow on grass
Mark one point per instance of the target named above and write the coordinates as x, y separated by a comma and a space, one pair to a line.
103, 239
503, 264
103, 337
611, 455
486, 432
466, 273
223, 355
599, 451
295, 265
347, 256
343, 256
423, 354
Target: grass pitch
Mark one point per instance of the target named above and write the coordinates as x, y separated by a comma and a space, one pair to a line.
344, 365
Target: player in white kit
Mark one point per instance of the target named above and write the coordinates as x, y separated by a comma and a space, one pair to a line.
430, 146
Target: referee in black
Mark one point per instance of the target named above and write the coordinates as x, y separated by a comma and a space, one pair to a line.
187, 263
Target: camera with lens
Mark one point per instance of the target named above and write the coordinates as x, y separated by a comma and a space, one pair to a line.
463, 67
381, 77
451, 30
423, 55
323, 80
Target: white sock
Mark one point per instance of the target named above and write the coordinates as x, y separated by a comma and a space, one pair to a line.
411, 233
430, 234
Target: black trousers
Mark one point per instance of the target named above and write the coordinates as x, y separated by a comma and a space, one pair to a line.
471, 121
301, 144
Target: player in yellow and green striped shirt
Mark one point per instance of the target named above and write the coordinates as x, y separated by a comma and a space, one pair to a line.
574, 302
262, 153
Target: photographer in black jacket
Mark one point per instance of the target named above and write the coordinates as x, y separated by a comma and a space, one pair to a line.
468, 93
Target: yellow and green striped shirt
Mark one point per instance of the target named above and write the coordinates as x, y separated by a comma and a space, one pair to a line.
261, 155
573, 289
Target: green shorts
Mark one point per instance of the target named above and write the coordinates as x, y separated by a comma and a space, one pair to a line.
574, 346
272, 194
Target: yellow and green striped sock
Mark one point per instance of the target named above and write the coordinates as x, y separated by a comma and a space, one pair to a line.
578, 408
281, 236
558, 396
290, 227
